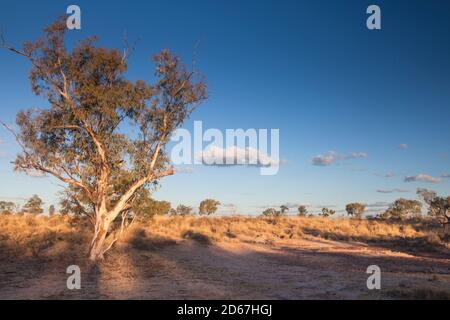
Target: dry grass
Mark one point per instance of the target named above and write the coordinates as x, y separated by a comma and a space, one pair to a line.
31, 235
268, 230
204, 257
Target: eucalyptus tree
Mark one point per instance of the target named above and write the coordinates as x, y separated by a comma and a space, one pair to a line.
302, 211
402, 209
33, 205
355, 209
102, 135
208, 207
438, 207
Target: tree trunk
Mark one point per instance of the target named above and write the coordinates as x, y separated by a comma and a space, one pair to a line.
101, 229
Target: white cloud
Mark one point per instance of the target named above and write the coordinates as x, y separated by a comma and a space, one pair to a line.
325, 159
331, 157
392, 190
325, 206
228, 205
385, 175
423, 178
231, 156
445, 176
378, 205
358, 155
403, 146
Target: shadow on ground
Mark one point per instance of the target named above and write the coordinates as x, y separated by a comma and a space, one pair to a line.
196, 267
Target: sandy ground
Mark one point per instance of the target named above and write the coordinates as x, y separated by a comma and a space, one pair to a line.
187, 269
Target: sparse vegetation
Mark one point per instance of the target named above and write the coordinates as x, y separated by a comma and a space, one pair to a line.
105, 137
151, 247
284, 209
327, 212
33, 205
258, 229
438, 207
208, 207
302, 211
402, 209
271, 212
355, 209
7, 207
183, 210
145, 208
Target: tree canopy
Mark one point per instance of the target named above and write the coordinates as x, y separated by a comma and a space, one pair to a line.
7, 207
302, 211
81, 139
327, 212
208, 207
438, 207
33, 205
403, 208
355, 209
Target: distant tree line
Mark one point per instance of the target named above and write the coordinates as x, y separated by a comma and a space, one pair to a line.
146, 208
32, 206
400, 210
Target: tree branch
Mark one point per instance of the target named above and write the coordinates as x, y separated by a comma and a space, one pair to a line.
39, 167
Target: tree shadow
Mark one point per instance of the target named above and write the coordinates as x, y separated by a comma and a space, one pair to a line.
417, 246
196, 236
150, 266
37, 271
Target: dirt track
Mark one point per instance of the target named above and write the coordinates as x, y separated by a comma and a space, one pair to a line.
188, 269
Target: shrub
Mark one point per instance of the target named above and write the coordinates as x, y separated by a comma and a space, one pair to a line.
208, 207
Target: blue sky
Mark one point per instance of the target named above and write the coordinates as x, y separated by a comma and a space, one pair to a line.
309, 68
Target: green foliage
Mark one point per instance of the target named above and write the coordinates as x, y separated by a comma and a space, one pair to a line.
208, 206
271, 212
74, 202
327, 212
33, 205
302, 211
355, 209
7, 207
183, 210
383, 216
79, 138
438, 207
147, 208
402, 209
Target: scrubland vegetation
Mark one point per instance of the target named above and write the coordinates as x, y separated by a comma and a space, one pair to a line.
35, 233
227, 257
109, 176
